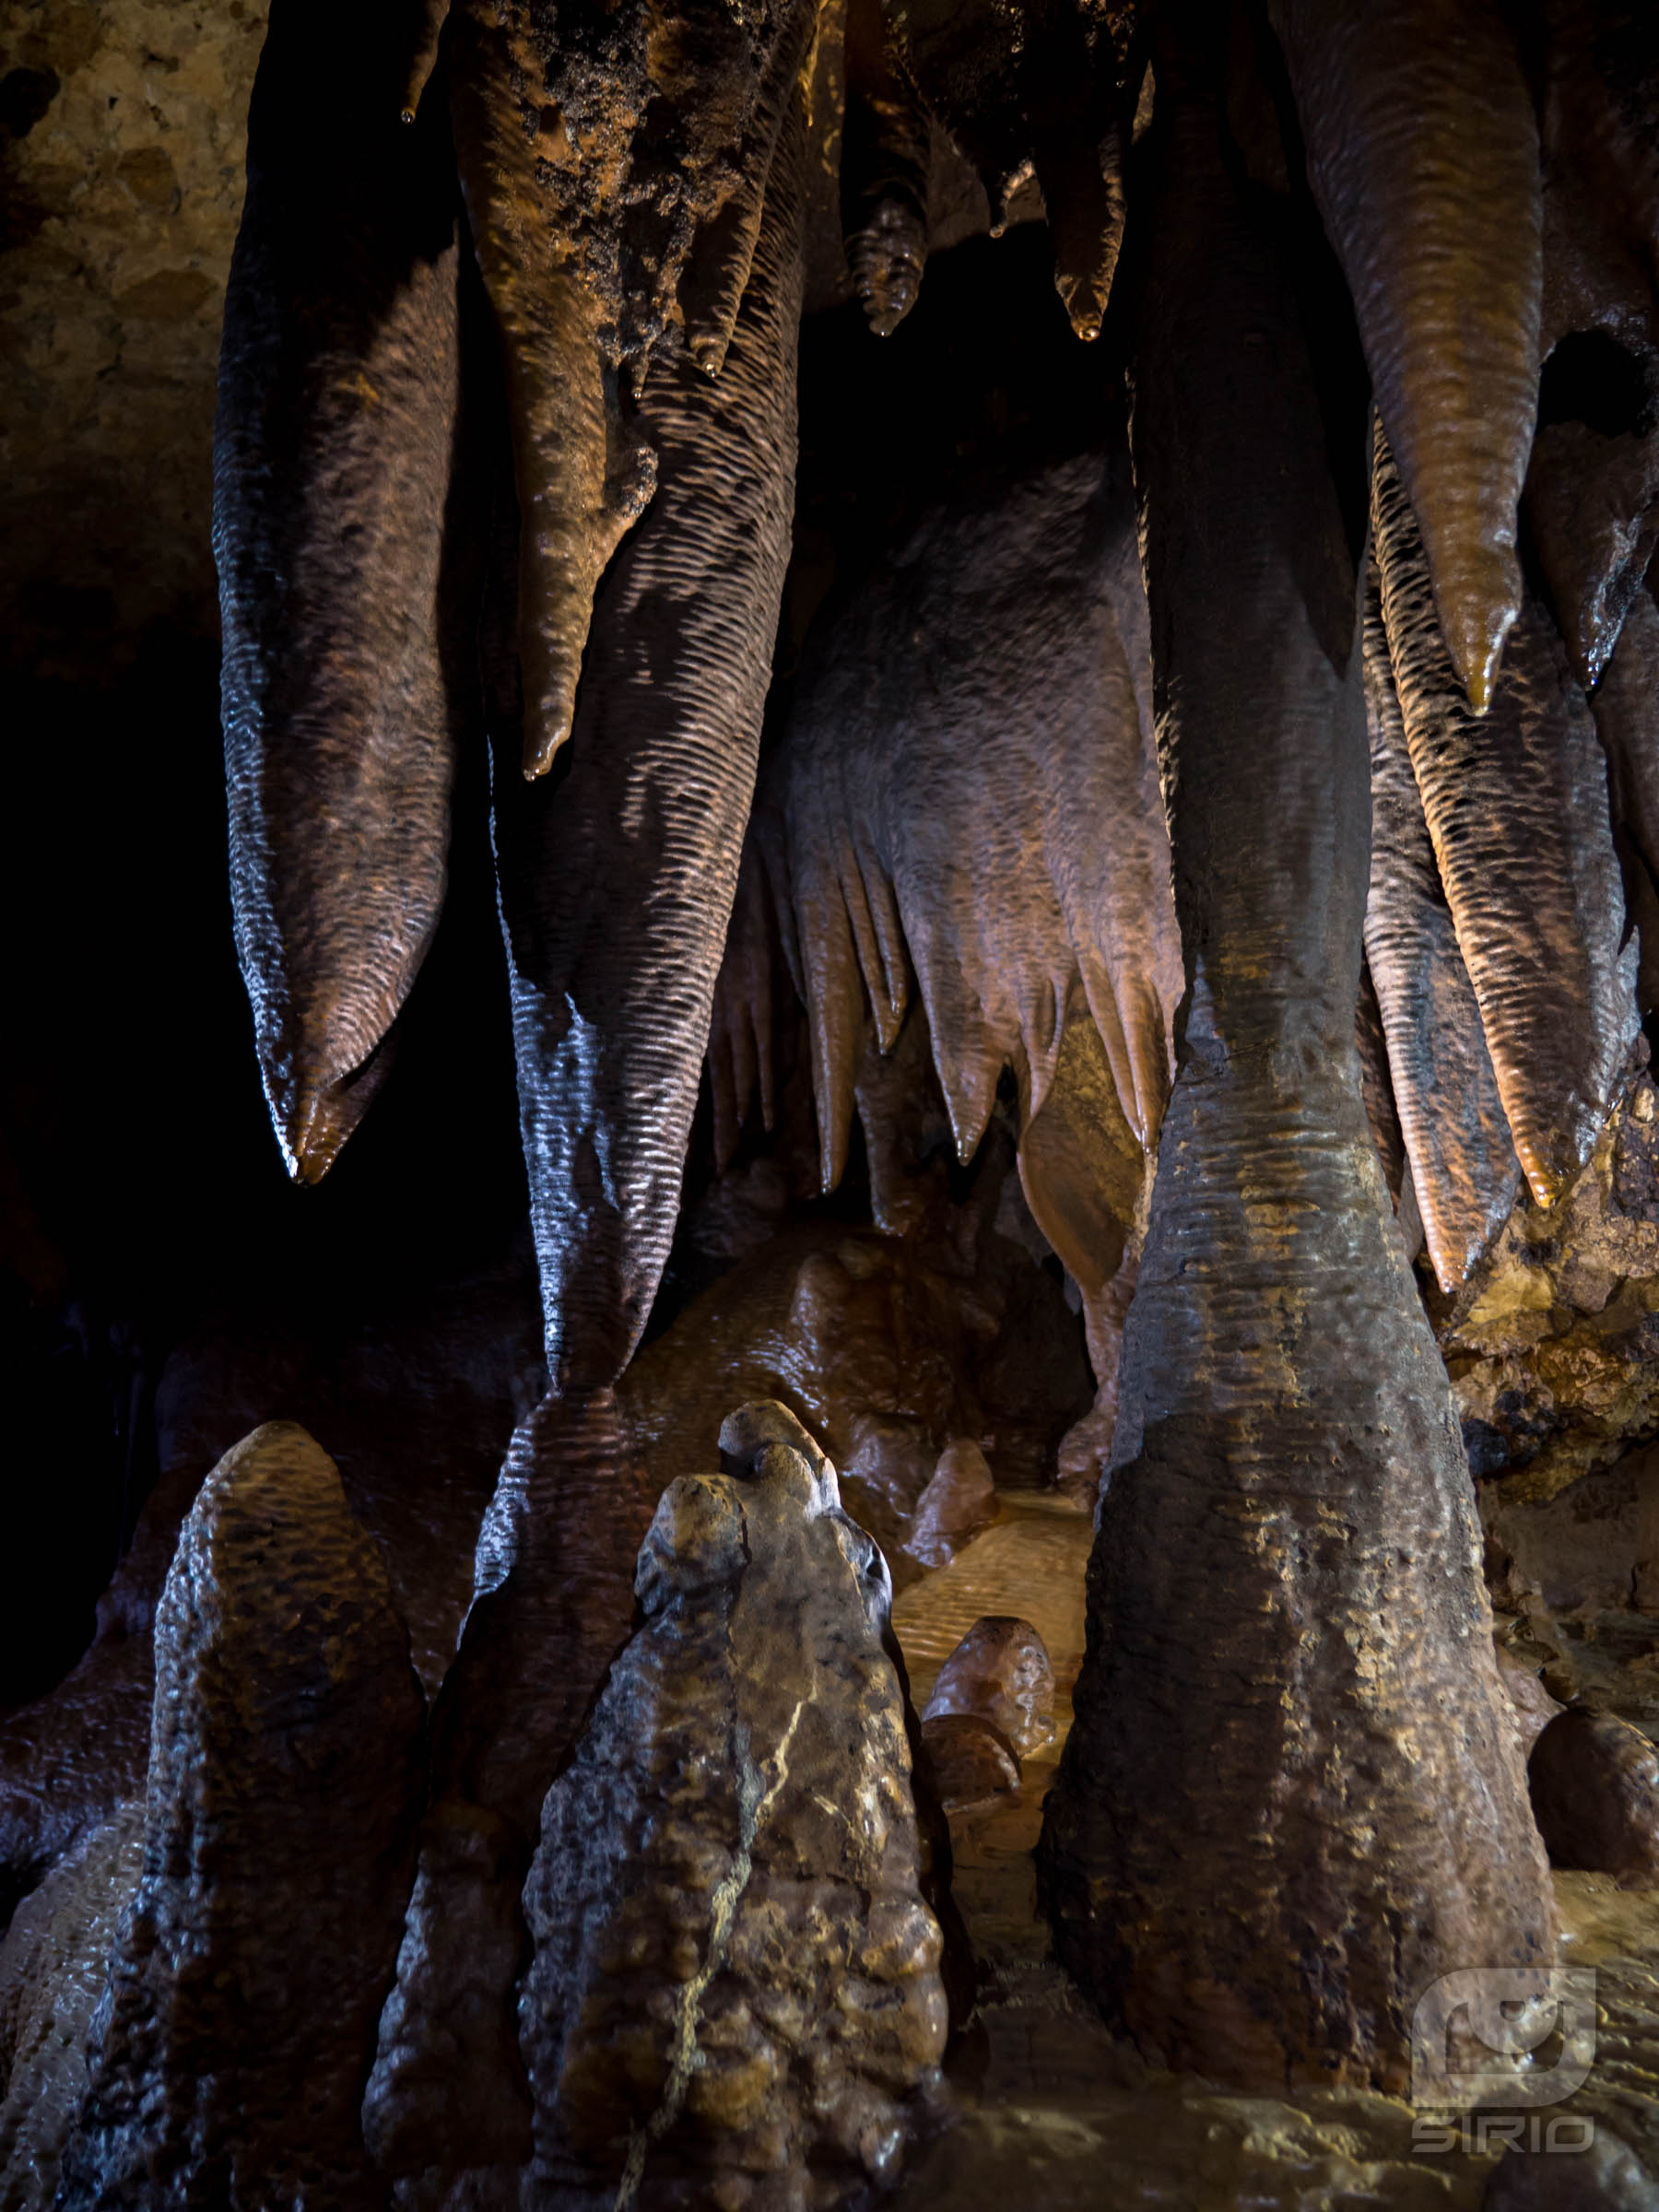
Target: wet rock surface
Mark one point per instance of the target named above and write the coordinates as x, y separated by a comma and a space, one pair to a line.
230, 2052
1001, 1674
735, 1995
1594, 1783
969, 1761
913, 1357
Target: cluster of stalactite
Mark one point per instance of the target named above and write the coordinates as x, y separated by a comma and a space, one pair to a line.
505, 462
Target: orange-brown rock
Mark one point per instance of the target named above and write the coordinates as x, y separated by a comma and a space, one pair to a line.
1000, 1673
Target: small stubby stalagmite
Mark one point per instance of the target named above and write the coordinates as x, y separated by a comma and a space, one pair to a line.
737, 1993
230, 2052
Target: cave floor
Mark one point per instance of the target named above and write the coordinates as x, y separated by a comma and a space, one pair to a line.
1050, 2107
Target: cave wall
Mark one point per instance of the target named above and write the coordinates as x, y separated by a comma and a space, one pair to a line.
123, 132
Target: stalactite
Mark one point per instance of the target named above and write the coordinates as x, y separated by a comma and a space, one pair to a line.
1028, 89
1517, 809
1463, 1163
1423, 154
884, 162
333, 478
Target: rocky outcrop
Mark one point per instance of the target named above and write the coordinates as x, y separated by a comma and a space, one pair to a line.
231, 2046
53, 1965
931, 1364
736, 1996
1594, 1782
1000, 1673
1553, 1343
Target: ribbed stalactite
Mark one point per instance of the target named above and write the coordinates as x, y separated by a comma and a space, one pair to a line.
616, 877
1464, 1168
341, 530
1516, 804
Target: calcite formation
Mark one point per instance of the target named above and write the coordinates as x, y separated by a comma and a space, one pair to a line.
863, 828
1594, 1782
1241, 803
969, 1759
735, 1995
1552, 1341
1285, 1466
929, 1364
53, 1971
231, 2048
1000, 1673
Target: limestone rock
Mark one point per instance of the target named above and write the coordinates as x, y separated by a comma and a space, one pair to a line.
53, 1963
959, 1499
231, 2046
1000, 1672
1553, 1343
1607, 2177
891, 1349
123, 190
1594, 1782
971, 1761
736, 1998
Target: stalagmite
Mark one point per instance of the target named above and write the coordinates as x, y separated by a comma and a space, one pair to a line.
333, 529
1259, 1853
1594, 1783
615, 880
736, 1982
285, 1781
